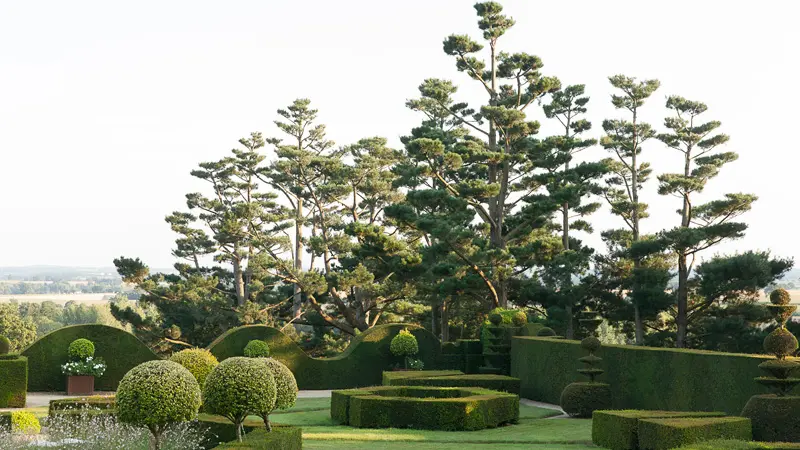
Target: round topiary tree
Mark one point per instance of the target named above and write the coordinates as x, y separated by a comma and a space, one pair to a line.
256, 349
546, 332
81, 349
237, 387
580, 399
156, 394
5, 345
285, 388
198, 361
519, 319
776, 416
404, 345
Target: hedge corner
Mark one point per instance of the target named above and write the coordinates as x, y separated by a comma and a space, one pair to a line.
618, 429
664, 434
13, 382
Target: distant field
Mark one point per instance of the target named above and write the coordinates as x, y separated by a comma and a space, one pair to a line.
59, 298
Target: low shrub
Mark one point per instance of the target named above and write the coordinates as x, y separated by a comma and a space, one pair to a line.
580, 399
237, 387
487, 381
618, 429
92, 402
728, 444
13, 381
281, 437
23, 422
80, 349
5, 345
157, 394
665, 434
198, 361
256, 349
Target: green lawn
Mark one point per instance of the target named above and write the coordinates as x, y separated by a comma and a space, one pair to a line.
534, 431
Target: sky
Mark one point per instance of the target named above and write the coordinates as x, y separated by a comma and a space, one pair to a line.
105, 107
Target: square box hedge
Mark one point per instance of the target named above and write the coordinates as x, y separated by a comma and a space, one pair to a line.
486, 381
618, 429
13, 381
664, 434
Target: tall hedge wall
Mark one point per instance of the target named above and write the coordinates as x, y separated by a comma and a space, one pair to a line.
121, 350
361, 364
13, 381
640, 377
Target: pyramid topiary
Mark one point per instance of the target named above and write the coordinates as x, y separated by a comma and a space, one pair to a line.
580, 399
776, 417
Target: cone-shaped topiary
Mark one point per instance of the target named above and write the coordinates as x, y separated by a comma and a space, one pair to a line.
580, 399
775, 417
198, 361
5, 345
80, 349
156, 394
285, 388
256, 349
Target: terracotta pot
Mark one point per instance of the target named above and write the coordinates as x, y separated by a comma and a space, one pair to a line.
80, 385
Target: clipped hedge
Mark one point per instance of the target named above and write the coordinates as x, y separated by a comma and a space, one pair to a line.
618, 429
774, 418
424, 408
360, 364
281, 437
390, 377
488, 381
13, 381
665, 434
121, 351
640, 377
728, 444
92, 402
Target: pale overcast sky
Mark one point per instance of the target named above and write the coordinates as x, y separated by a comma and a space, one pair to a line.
105, 107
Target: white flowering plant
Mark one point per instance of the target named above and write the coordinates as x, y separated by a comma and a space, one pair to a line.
95, 367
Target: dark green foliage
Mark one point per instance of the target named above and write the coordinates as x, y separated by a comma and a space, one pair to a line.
618, 429
361, 364
495, 319
665, 434
13, 382
519, 319
640, 377
281, 437
424, 408
780, 343
120, 350
546, 331
80, 349
93, 402
774, 418
580, 399
5, 345
219, 430
256, 349
198, 361
486, 381
780, 296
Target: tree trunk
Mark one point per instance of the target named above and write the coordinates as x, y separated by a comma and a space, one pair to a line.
445, 322
637, 263
297, 302
267, 423
570, 332
238, 281
683, 301
639, 325
239, 433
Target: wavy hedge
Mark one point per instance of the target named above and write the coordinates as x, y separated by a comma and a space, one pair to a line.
361, 364
121, 351
640, 377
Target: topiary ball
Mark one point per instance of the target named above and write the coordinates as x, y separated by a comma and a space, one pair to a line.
780, 296
404, 344
546, 331
581, 399
285, 383
157, 393
198, 361
256, 349
780, 343
5, 345
519, 319
591, 343
239, 386
81, 349
495, 319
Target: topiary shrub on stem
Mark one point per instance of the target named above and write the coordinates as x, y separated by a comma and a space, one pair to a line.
285, 388
404, 345
80, 349
256, 349
237, 387
199, 361
580, 399
776, 417
157, 394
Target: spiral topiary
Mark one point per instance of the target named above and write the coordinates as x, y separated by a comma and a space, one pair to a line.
580, 399
156, 394
285, 387
546, 332
237, 387
256, 349
81, 349
5, 345
198, 361
519, 319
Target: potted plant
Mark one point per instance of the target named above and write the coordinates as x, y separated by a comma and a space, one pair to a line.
82, 368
